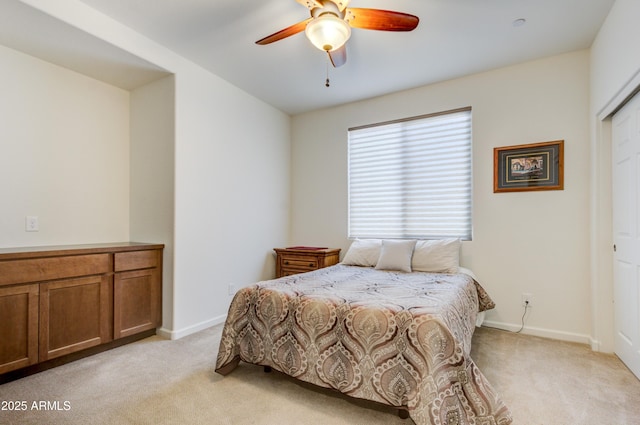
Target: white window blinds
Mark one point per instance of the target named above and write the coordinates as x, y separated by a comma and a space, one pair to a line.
411, 178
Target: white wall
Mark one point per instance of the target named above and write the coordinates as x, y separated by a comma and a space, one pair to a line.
231, 155
534, 242
152, 175
615, 54
64, 155
227, 218
232, 195
615, 74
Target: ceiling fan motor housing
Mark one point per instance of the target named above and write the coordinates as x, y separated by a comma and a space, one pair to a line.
327, 7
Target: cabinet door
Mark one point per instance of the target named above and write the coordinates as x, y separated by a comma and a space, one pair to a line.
18, 327
136, 302
74, 314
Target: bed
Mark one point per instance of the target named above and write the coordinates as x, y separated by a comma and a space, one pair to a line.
390, 336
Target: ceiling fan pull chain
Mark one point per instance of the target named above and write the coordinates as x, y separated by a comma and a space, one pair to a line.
327, 83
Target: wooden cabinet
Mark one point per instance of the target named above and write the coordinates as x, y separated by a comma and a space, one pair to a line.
74, 315
18, 327
136, 292
300, 260
55, 301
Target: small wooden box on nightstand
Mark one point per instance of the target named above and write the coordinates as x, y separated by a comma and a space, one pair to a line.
296, 260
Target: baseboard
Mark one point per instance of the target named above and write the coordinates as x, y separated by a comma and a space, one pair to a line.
527, 330
545, 333
180, 333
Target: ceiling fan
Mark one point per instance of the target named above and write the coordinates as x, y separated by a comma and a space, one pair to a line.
329, 26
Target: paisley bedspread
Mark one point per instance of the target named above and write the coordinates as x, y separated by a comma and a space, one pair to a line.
402, 339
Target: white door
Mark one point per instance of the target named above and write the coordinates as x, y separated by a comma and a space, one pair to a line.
626, 232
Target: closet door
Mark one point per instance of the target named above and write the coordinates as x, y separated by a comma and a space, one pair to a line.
626, 232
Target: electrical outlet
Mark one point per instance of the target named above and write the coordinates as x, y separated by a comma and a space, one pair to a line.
527, 300
31, 223
232, 289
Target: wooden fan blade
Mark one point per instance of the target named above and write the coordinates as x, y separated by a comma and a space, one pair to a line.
289, 31
381, 20
339, 56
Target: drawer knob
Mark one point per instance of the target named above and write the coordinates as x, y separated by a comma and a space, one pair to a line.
310, 264
286, 262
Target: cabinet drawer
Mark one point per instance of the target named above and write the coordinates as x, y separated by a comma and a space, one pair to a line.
42, 269
135, 260
300, 262
289, 272
304, 259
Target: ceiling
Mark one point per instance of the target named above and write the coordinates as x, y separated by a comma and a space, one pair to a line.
454, 38
59, 43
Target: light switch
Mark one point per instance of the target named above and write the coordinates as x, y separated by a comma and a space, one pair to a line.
31, 223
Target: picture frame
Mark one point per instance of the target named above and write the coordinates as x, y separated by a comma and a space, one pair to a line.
535, 166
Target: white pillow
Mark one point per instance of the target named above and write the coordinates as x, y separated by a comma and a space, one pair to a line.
396, 255
363, 252
439, 256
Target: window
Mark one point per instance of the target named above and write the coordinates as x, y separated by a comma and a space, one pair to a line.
411, 178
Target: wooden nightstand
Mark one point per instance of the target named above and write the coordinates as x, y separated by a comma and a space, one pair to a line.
300, 259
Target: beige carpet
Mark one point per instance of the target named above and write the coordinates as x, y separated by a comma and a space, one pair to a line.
157, 381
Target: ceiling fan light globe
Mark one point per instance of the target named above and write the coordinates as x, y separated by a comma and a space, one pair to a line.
328, 32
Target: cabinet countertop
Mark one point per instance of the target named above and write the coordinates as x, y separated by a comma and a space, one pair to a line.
58, 250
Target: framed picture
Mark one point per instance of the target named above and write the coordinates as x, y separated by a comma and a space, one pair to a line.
537, 166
